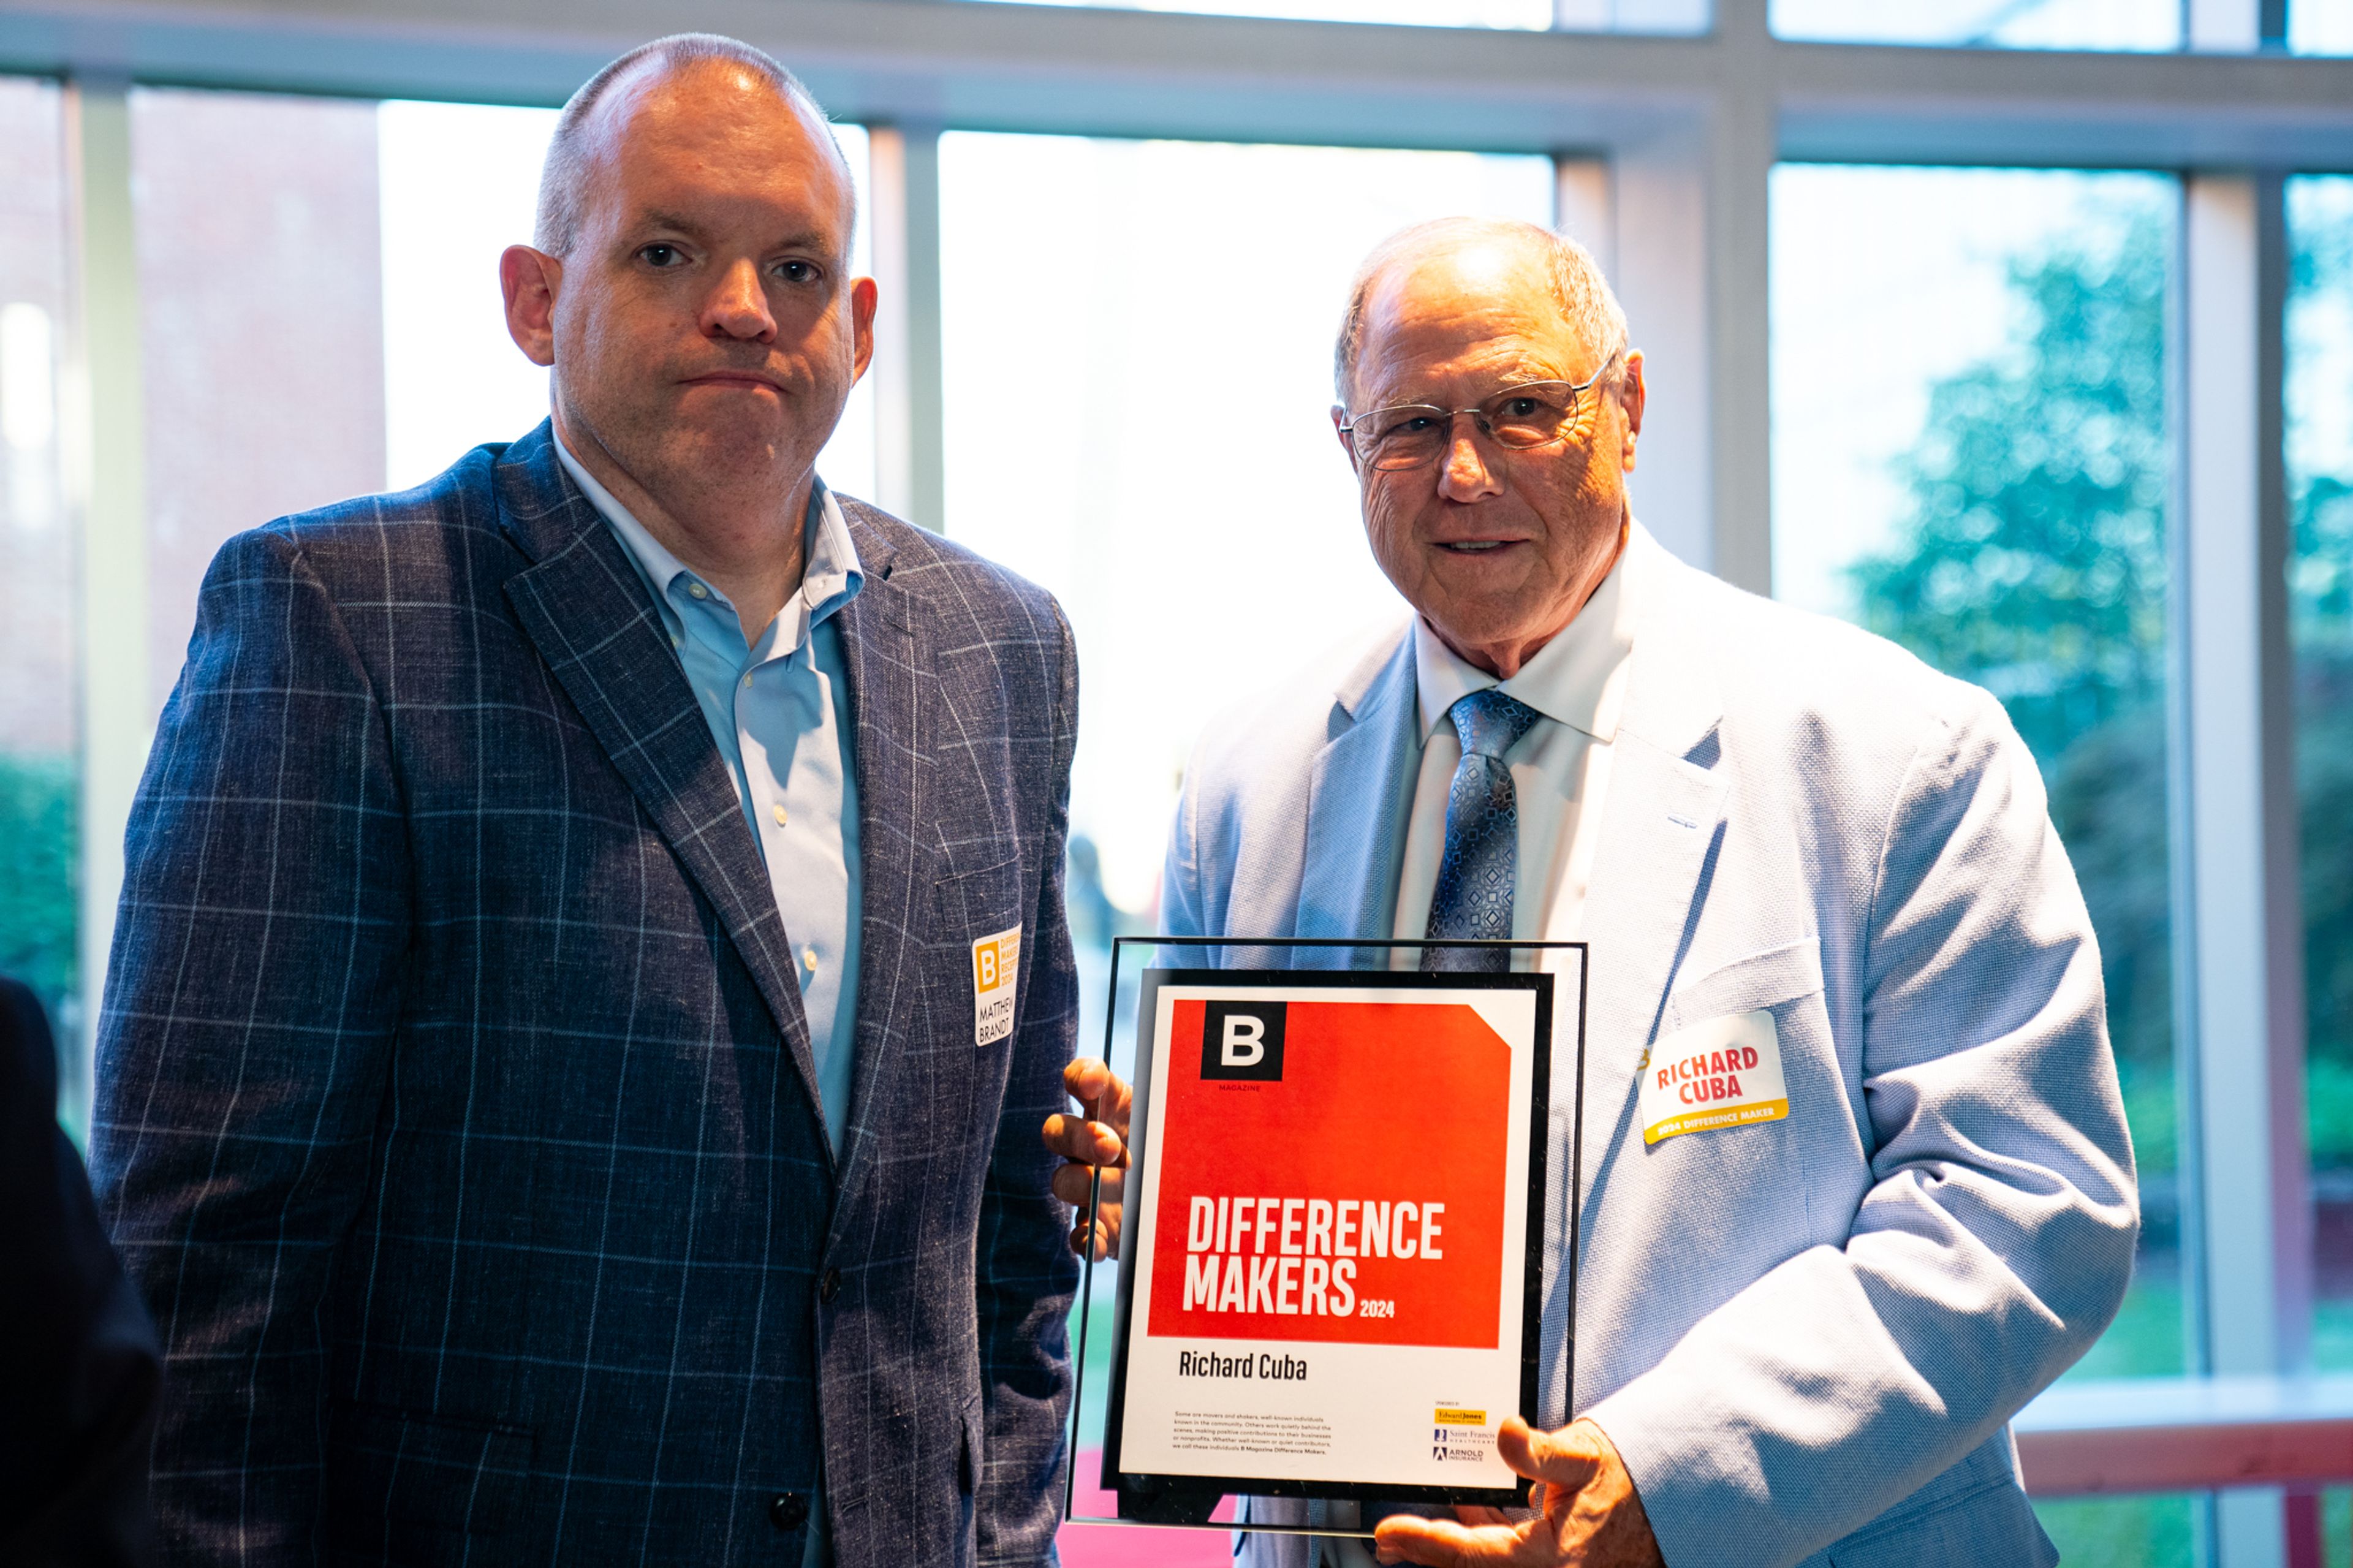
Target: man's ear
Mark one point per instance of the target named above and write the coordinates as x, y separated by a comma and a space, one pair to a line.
1340, 417
530, 278
864, 293
1630, 392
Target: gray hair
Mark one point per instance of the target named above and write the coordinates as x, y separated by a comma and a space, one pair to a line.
562, 177
1583, 294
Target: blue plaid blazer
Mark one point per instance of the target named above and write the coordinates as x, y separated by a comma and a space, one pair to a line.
456, 1108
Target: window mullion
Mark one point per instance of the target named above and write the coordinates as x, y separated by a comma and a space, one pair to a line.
2246, 949
104, 452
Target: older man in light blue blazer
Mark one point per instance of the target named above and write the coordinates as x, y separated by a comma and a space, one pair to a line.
1801, 1339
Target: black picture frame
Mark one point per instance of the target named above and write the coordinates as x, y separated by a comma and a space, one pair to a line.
1145, 1498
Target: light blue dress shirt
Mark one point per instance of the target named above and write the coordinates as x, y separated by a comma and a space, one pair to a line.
779, 709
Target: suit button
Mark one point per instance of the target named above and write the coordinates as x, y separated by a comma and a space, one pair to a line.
789, 1510
830, 1286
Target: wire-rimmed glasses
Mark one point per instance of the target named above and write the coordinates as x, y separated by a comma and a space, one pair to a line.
1414, 435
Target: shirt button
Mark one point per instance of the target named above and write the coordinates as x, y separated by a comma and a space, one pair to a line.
829, 1285
789, 1510
782, 820
747, 681
808, 957
675, 641
696, 590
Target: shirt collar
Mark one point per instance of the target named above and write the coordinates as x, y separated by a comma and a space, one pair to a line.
830, 574
1577, 678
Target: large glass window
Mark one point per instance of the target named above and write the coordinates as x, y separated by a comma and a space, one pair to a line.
2320, 393
2129, 25
38, 670
1970, 457
259, 295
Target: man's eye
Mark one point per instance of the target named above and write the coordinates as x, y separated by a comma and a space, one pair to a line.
797, 271
1520, 407
660, 256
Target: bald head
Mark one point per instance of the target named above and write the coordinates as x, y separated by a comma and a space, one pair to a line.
1496, 250
593, 118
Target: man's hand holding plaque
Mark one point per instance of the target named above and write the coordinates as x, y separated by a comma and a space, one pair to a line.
1586, 1509
1092, 1143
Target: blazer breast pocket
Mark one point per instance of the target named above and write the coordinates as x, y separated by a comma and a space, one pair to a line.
976, 976
407, 1486
1738, 1110
979, 902
1764, 981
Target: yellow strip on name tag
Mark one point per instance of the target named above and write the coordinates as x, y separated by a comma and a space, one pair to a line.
1724, 1072
996, 970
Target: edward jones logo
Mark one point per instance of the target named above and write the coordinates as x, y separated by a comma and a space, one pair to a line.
1243, 1040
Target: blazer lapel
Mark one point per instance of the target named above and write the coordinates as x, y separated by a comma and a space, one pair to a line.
1660, 825
584, 607
888, 677
1359, 793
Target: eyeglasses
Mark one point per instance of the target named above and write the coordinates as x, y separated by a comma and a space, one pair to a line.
1413, 435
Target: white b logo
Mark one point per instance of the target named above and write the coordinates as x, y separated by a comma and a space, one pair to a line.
1245, 1042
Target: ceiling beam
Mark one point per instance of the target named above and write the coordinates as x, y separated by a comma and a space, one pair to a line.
1110, 72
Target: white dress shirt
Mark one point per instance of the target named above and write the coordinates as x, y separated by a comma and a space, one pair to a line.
1560, 767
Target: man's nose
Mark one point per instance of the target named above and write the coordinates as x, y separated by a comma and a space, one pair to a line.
1462, 473
738, 307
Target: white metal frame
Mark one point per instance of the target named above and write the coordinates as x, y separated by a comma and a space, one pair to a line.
1664, 145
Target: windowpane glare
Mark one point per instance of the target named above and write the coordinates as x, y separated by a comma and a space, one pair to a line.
260, 294
39, 776
458, 183
2320, 393
1139, 386
2320, 26
1970, 457
2123, 25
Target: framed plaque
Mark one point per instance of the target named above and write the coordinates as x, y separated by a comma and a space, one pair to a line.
1333, 1255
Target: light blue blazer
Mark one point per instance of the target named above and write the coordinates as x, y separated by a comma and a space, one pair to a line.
1806, 1337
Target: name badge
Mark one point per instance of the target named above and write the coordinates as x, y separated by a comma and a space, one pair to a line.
1724, 1072
996, 970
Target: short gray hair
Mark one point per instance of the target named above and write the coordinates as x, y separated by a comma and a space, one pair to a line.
1583, 294
562, 177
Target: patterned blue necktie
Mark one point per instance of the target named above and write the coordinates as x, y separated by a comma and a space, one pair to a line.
1475, 876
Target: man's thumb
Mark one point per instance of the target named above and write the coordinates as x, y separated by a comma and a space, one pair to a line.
1560, 1459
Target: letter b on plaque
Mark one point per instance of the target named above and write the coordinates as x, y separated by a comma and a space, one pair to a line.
1242, 1040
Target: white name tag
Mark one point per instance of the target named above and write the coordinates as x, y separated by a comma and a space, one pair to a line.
995, 969
1724, 1072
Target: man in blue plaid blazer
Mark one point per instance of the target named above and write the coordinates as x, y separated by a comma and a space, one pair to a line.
462, 1113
